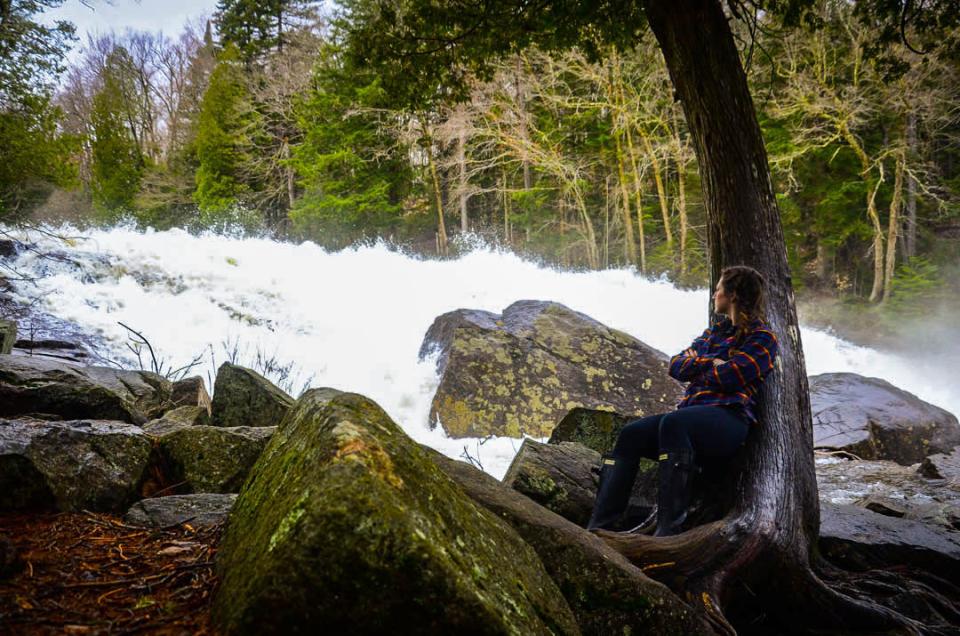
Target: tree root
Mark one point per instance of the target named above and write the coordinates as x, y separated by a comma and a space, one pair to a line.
805, 593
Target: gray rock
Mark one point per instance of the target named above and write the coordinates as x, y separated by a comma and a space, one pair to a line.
522, 371
72, 465
942, 466
203, 509
242, 397
191, 391
607, 593
31, 385
212, 459
348, 526
176, 419
873, 419
890, 489
860, 539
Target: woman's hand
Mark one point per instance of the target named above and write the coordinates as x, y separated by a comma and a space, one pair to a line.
718, 362
690, 352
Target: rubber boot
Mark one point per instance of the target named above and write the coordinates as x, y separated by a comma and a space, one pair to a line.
613, 493
675, 472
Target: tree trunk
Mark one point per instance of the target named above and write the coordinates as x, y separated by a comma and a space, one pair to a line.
681, 161
911, 229
462, 162
894, 225
767, 541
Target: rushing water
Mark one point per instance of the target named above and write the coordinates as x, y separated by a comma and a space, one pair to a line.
355, 319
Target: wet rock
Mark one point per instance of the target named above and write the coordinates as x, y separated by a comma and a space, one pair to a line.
191, 391
8, 335
9, 248
521, 372
856, 538
942, 466
564, 477
212, 459
594, 429
873, 419
347, 526
71, 465
30, 385
607, 593
888, 488
243, 397
202, 509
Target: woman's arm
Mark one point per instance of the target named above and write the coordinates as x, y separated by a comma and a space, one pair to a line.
752, 361
686, 367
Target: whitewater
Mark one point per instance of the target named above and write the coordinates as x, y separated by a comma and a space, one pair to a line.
354, 319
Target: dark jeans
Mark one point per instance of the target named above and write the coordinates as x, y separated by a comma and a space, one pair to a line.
711, 431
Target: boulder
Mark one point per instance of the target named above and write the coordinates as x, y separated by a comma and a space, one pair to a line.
607, 593
942, 466
202, 509
522, 371
71, 465
563, 478
890, 489
8, 335
191, 392
856, 538
176, 419
211, 458
592, 428
34, 384
9, 248
873, 419
243, 397
347, 526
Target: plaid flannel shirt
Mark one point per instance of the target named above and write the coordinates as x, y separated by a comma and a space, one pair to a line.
737, 380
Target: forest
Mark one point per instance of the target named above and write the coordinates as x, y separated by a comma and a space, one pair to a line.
261, 119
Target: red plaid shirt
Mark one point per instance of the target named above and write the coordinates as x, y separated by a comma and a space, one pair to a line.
738, 379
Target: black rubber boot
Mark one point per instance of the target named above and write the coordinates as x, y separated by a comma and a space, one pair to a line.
675, 472
613, 493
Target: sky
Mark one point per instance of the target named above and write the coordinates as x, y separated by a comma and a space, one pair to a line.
101, 16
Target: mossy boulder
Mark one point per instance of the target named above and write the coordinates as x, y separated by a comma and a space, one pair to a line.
41, 385
594, 429
521, 372
212, 458
607, 593
243, 397
564, 478
874, 419
71, 465
176, 419
346, 526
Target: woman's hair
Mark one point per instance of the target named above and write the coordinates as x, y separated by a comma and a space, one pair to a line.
747, 286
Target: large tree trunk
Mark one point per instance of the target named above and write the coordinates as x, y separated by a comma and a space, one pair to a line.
766, 543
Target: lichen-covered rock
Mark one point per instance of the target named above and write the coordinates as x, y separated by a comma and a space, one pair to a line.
71, 465
201, 509
563, 478
347, 526
243, 397
522, 371
8, 335
191, 391
592, 428
873, 419
41, 385
607, 593
212, 458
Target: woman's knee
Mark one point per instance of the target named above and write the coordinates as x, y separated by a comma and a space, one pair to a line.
673, 430
638, 433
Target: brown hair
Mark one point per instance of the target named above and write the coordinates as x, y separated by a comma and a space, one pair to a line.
746, 285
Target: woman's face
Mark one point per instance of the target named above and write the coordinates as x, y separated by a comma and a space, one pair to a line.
721, 302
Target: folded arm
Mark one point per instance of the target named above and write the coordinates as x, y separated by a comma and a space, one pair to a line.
685, 367
750, 362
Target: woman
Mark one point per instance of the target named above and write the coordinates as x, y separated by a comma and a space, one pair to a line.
725, 367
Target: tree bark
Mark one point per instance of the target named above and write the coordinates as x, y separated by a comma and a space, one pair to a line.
767, 540
894, 226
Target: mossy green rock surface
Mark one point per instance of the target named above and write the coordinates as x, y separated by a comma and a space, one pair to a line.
592, 428
212, 458
346, 526
40, 385
72, 465
521, 372
243, 397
